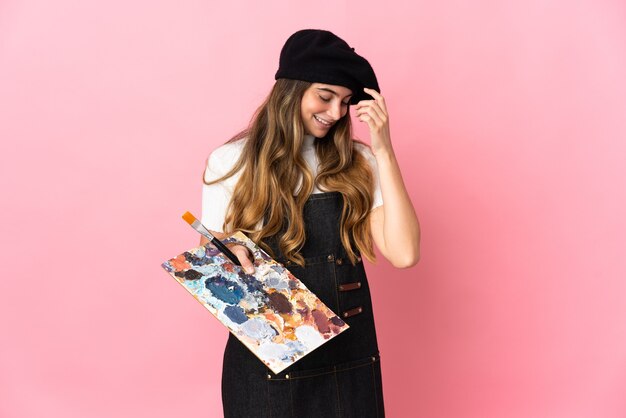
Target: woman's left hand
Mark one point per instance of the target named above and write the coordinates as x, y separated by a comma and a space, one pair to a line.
374, 113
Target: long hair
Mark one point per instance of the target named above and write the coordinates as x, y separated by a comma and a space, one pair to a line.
272, 168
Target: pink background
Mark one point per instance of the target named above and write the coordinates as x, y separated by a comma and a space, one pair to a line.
508, 118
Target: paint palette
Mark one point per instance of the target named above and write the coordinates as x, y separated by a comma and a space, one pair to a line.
271, 312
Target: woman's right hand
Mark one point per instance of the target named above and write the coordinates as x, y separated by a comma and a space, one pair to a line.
242, 252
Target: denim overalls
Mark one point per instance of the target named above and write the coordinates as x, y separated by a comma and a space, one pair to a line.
342, 378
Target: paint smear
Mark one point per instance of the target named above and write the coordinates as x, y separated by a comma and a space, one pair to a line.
280, 303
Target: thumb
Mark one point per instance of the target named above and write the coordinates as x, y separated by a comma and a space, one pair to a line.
243, 255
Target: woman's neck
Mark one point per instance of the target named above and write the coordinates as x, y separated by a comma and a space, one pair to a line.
308, 140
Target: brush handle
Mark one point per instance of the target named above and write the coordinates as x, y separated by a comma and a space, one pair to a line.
224, 249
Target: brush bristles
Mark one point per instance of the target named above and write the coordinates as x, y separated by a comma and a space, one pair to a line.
189, 218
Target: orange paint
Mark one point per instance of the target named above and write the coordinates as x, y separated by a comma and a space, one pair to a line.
180, 263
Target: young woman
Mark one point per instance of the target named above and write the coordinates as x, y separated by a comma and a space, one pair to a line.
298, 184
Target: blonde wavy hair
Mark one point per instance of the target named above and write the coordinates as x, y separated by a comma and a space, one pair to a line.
272, 164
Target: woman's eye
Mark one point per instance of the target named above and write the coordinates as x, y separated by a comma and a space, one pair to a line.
325, 99
345, 103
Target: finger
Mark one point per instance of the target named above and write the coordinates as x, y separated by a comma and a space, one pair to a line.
374, 107
375, 94
363, 103
374, 117
380, 100
374, 104
382, 115
371, 123
243, 255
358, 112
218, 235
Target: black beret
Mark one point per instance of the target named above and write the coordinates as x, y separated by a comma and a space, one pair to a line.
319, 56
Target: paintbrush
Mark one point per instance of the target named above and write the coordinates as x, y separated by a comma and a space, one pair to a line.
197, 225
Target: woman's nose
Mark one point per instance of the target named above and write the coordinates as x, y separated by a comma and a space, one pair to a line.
335, 111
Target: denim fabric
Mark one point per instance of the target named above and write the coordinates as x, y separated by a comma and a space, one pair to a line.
342, 378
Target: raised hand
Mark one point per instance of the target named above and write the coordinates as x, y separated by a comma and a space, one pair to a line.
374, 113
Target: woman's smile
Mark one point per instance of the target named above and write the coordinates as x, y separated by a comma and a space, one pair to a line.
323, 123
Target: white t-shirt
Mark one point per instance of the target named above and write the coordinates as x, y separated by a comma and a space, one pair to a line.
216, 197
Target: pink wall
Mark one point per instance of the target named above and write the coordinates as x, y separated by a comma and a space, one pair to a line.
509, 121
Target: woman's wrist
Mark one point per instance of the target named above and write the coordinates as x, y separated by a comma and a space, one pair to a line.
384, 155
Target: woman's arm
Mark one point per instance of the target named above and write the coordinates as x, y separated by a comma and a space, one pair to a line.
395, 227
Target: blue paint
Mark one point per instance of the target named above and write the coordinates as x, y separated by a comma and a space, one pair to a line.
251, 283
225, 291
195, 259
235, 314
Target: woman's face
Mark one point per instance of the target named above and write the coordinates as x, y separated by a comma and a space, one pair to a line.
322, 106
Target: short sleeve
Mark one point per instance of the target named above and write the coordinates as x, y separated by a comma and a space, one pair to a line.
377, 198
216, 197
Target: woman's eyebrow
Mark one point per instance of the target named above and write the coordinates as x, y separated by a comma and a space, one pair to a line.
331, 91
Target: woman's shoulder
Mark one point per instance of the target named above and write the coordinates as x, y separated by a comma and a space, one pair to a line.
223, 158
228, 152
